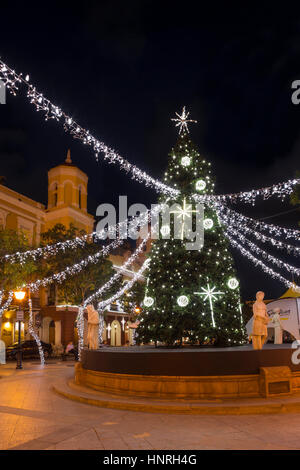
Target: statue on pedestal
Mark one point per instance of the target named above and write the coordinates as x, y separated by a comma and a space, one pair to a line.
93, 327
278, 329
260, 321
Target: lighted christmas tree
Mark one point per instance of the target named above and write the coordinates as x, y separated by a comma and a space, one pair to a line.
191, 295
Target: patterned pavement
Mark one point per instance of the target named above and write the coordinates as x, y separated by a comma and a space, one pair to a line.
33, 417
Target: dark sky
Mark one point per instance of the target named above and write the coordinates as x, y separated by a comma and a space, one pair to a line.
122, 69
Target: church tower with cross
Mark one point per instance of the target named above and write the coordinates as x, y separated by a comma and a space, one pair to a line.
67, 197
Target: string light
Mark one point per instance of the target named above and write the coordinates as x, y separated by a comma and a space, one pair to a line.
11, 79
126, 287
33, 332
258, 262
116, 276
253, 247
229, 216
110, 232
75, 268
6, 303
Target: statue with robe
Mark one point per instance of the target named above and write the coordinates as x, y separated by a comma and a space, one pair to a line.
93, 327
260, 322
278, 329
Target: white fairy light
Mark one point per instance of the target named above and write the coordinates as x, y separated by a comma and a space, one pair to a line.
182, 121
262, 237
200, 185
11, 79
80, 329
33, 332
75, 268
116, 276
183, 301
258, 262
232, 283
211, 294
165, 230
101, 326
229, 216
6, 303
126, 286
148, 301
185, 161
254, 248
208, 223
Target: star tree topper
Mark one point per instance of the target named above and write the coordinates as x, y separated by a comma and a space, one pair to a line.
182, 121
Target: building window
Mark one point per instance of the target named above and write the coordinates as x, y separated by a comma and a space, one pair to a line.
55, 197
79, 197
51, 294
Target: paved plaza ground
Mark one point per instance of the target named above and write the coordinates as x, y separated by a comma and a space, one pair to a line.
32, 416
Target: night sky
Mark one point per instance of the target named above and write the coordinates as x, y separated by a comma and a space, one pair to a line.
122, 69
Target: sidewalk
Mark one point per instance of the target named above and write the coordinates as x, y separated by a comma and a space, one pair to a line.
33, 417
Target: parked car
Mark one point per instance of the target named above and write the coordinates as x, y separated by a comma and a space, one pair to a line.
29, 349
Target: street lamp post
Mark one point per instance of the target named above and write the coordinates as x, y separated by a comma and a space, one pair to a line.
19, 295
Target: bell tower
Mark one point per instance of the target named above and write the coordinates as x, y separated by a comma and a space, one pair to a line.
67, 197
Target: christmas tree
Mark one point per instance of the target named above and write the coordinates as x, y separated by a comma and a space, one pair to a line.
191, 295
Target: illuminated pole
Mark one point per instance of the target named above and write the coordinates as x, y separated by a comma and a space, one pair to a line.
19, 295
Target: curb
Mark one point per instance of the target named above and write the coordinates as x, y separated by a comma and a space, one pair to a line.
188, 409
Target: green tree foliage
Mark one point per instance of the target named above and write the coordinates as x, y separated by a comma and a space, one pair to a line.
15, 275
175, 271
75, 289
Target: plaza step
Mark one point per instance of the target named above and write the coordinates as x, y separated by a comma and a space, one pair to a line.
81, 394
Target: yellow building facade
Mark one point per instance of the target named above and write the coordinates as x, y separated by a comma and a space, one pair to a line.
67, 197
67, 204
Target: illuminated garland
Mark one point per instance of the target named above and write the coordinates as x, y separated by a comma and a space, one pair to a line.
259, 263
127, 286
80, 329
228, 215
11, 80
106, 286
75, 268
116, 276
7, 303
33, 333
101, 326
253, 247
265, 239
111, 231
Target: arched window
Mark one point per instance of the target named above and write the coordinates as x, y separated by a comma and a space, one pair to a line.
79, 197
55, 195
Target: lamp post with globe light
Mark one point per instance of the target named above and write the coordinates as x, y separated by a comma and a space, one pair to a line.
19, 296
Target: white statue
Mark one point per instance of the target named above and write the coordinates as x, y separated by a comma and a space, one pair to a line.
277, 326
93, 327
260, 321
